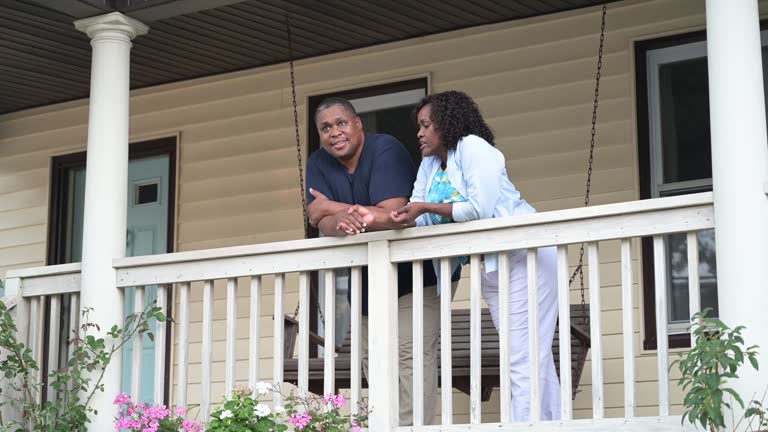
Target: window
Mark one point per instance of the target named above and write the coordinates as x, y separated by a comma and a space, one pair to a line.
675, 158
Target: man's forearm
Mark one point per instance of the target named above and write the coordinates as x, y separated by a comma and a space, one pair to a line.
320, 209
327, 226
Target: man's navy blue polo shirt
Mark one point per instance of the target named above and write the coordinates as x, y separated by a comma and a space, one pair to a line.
384, 171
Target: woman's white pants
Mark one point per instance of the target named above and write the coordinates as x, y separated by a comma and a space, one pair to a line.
519, 363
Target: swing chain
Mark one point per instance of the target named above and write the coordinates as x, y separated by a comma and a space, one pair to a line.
298, 156
296, 127
580, 267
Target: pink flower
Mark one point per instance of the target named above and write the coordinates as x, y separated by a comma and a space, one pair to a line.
356, 428
123, 423
338, 400
300, 420
180, 411
191, 426
122, 399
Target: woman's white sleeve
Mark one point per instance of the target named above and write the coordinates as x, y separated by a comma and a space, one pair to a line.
482, 166
420, 190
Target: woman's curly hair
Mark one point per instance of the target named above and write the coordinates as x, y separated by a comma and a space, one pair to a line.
455, 115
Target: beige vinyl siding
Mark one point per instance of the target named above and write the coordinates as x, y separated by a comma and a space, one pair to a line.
237, 179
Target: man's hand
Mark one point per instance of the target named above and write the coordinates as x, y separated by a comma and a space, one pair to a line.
351, 222
358, 216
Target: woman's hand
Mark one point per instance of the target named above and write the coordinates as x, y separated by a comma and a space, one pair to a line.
405, 217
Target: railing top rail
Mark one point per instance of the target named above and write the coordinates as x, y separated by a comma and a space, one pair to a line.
410, 244
576, 214
53, 270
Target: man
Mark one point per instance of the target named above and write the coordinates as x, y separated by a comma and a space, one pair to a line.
375, 171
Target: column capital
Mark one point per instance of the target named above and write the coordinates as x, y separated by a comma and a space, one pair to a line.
111, 22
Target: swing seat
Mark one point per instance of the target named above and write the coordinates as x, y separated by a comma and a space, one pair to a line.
460, 348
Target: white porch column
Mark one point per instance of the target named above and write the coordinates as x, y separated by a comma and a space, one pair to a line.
740, 171
106, 184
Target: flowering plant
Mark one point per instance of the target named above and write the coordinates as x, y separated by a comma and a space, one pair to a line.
137, 417
245, 412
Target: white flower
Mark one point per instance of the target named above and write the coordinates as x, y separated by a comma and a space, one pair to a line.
263, 387
226, 414
261, 410
279, 410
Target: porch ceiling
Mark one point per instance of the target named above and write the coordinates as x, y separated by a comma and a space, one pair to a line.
44, 60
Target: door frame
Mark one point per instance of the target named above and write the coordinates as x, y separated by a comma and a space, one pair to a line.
58, 220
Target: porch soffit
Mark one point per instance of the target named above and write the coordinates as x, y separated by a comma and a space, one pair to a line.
44, 60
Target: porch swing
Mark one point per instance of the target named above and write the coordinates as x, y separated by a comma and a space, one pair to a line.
579, 328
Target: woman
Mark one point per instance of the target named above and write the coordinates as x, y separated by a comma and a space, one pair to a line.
462, 177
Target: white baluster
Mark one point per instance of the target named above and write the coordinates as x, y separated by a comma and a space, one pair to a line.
533, 335
505, 385
595, 318
182, 349
564, 309
138, 347
304, 332
231, 359
329, 374
54, 330
207, 346
74, 323
418, 343
255, 326
355, 365
160, 329
279, 334
694, 290
475, 341
662, 344
446, 368
628, 326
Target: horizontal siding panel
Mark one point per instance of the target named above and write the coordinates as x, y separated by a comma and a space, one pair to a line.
22, 254
229, 144
255, 161
25, 180
222, 185
24, 217
23, 199
22, 236
234, 226
269, 237
573, 163
241, 205
245, 123
181, 116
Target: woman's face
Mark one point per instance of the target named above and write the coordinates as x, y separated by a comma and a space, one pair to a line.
430, 142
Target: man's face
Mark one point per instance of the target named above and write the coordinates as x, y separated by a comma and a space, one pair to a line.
341, 132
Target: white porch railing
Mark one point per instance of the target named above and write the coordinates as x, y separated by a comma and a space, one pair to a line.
186, 272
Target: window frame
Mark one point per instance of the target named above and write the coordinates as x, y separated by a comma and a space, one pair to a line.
649, 165
676, 47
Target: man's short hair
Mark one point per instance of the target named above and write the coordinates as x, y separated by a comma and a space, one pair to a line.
333, 101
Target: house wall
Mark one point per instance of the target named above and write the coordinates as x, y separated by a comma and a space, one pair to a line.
237, 183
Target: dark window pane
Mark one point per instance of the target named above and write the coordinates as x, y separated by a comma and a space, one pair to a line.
684, 92
677, 260
146, 193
